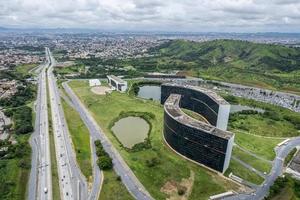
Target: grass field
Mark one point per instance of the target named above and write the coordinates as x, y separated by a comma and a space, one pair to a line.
260, 125
244, 173
171, 167
24, 69
113, 188
261, 146
80, 139
258, 164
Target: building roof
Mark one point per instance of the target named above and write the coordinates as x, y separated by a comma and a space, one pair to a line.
116, 79
214, 96
172, 107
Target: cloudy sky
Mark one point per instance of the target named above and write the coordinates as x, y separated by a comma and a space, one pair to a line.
154, 15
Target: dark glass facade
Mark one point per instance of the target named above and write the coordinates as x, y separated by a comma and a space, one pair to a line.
207, 147
195, 144
193, 100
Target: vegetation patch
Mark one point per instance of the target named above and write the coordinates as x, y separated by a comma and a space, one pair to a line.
147, 116
239, 170
285, 188
257, 163
22, 119
25, 68
290, 156
274, 122
15, 166
113, 187
104, 160
179, 190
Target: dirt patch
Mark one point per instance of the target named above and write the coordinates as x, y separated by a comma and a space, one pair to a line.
179, 190
101, 90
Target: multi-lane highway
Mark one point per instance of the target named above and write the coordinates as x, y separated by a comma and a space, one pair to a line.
72, 183
40, 182
133, 185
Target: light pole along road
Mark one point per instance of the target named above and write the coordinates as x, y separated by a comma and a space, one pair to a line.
72, 183
40, 181
132, 184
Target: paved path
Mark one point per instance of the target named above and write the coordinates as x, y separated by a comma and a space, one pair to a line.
252, 154
259, 173
277, 169
133, 185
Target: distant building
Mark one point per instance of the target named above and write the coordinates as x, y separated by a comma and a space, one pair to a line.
205, 143
94, 82
117, 83
164, 76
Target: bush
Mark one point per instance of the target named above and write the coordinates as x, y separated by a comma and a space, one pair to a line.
101, 152
152, 162
98, 143
118, 178
105, 163
272, 115
181, 190
231, 99
25, 164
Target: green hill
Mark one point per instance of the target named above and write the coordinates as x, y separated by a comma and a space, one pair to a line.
241, 54
264, 65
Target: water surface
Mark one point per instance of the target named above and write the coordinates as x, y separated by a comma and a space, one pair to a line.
150, 92
131, 130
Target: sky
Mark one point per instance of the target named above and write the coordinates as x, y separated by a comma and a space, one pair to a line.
154, 15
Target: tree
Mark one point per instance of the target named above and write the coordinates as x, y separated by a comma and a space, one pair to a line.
105, 163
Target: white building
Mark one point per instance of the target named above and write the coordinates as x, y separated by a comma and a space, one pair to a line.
94, 82
117, 83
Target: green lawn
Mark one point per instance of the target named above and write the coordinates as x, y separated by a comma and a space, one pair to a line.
258, 164
263, 147
80, 138
24, 69
239, 170
113, 188
171, 166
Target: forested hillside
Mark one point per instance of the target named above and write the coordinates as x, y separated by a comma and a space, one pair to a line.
264, 65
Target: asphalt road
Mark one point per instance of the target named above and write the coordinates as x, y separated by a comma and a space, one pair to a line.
72, 183
132, 184
97, 174
40, 181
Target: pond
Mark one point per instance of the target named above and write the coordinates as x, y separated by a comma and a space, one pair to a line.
237, 108
131, 130
150, 92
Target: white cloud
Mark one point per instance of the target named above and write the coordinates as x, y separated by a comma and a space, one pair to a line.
167, 15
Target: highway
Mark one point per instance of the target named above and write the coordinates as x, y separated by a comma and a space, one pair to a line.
73, 184
40, 181
132, 184
97, 174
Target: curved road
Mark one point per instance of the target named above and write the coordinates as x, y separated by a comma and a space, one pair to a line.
132, 184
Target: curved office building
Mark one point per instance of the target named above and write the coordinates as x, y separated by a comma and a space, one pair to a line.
205, 143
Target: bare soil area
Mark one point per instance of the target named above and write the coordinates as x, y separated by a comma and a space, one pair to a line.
101, 90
